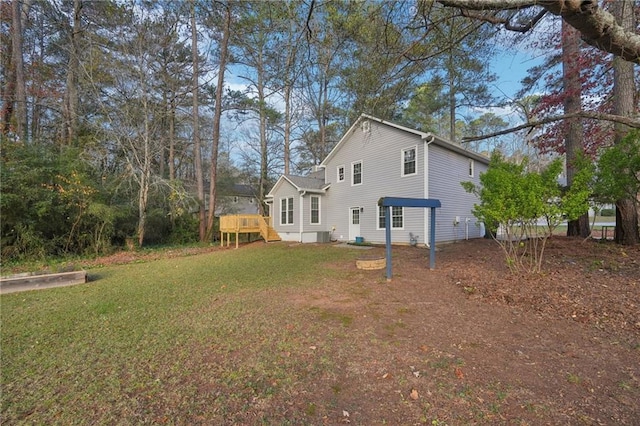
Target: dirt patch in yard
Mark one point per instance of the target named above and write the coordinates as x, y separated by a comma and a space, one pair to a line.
472, 343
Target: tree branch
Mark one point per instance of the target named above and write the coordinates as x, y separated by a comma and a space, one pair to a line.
598, 27
629, 121
496, 20
308, 22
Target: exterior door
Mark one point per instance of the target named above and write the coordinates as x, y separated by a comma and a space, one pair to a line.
354, 223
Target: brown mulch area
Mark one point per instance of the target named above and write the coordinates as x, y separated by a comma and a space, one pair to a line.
472, 343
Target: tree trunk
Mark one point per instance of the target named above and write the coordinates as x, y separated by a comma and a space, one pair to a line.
623, 104
70, 107
215, 142
287, 127
263, 146
197, 151
145, 172
17, 61
452, 100
573, 141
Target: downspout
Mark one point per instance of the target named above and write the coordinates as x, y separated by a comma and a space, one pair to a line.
428, 139
301, 226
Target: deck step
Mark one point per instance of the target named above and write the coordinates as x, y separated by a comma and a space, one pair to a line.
272, 235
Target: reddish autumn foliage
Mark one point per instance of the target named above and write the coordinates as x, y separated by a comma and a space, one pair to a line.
596, 80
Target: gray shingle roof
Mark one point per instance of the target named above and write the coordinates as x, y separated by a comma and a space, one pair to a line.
306, 182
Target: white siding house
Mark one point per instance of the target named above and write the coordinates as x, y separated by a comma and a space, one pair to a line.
375, 159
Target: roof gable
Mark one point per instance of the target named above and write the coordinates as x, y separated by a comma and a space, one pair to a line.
300, 183
428, 137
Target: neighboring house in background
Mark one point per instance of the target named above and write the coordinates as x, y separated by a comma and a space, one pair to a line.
375, 159
239, 199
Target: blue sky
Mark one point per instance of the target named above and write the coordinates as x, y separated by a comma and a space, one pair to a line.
511, 67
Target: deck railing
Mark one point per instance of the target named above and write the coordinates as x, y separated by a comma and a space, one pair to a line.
244, 223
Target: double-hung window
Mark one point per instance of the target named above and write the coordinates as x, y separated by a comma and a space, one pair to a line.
340, 173
397, 217
286, 211
409, 164
315, 210
356, 173
471, 171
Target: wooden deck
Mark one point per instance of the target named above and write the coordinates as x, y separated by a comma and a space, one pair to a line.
247, 224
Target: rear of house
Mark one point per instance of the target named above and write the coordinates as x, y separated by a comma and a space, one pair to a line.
377, 159
296, 203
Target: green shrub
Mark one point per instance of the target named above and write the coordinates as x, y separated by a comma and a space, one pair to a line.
185, 230
608, 212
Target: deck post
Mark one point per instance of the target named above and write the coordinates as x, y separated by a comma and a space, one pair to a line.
236, 239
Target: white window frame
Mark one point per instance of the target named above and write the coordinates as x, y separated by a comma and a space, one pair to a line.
471, 167
353, 165
380, 215
288, 212
415, 161
311, 210
344, 173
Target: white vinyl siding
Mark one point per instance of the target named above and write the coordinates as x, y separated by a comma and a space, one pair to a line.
379, 152
448, 169
409, 160
286, 211
356, 173
315, 210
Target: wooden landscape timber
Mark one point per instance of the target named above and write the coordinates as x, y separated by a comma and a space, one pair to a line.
32, 281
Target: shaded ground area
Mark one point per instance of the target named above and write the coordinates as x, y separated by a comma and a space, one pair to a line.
471, 343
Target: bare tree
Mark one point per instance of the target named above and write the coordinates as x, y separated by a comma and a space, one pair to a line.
217, 115
197, 150
14, 108
70, 106
597, 26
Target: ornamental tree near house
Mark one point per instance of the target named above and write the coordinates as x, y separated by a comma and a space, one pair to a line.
610, 27
514, 200
618, 174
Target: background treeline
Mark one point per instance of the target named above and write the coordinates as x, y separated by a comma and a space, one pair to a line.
131, 119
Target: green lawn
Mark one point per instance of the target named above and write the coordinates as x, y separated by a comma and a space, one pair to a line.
173, 340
